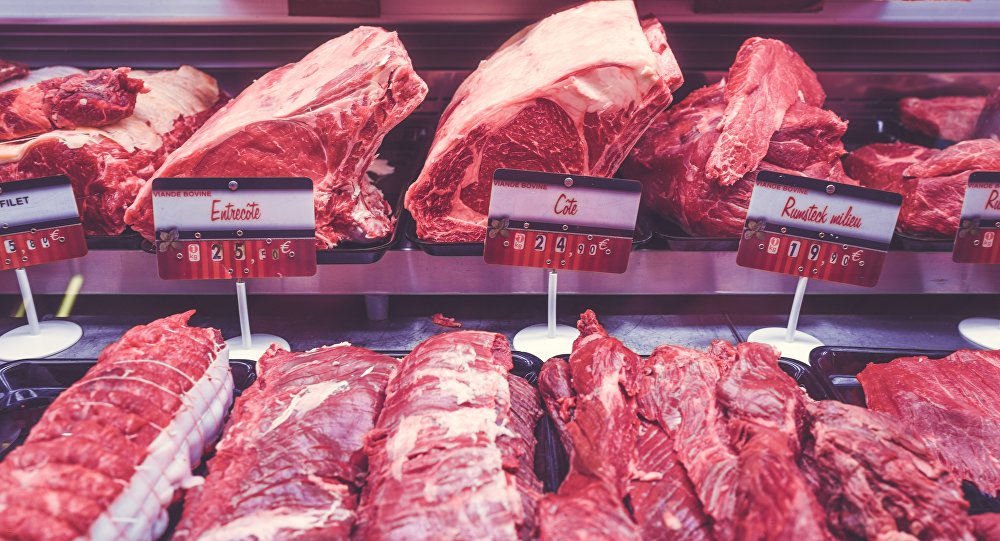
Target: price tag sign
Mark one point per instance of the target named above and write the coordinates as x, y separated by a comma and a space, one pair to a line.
561, 222
223, 228
979, 226
818, 229
39, 222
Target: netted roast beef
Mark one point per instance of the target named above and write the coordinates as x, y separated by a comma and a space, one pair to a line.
698, 161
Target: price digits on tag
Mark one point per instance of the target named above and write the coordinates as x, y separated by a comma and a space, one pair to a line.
976, 240
234, 228
39, 223
818, 229
561, 222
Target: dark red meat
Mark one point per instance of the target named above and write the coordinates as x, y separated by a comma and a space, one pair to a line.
12, 70
525, 411
952, 118
953, 404
445, 321
292, 463
988, 124
93, 99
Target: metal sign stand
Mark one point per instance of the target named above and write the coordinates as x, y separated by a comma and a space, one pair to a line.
249, 346
792, 343
547, 341
37, 339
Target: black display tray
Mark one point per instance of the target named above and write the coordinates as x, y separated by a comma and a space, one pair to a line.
676, 239
838, 367
806, 377
129, 240
914, 244
643, 234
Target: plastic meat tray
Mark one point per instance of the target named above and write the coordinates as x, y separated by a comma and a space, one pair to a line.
838, 367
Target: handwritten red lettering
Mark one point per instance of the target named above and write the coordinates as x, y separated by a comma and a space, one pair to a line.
811, 214
230, 213
993, 202
565, 206
847, 219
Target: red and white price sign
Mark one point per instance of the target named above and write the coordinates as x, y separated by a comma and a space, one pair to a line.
818, 229
979, 226
222, 228
39, 222
562, 222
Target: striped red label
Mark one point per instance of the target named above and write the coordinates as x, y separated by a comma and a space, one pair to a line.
811, 258
226, 259
39, 246
560, 251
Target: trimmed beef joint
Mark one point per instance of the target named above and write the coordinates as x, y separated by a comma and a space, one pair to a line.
525, 411
109, 165
698, 161
94, 99
952, 403
12, 70
323, 118
439, 467
111, 451
292, 463
951, 118
878, 482
602, 427
569, 94
988, 124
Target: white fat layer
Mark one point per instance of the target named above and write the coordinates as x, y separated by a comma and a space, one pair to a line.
39, 75
139, 512
481, 422
308, 399
269, 523
340, 345
14, 151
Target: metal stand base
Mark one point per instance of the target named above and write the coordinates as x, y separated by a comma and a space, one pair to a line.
536, 341
799, 348
259, 343
984, 332
53, 337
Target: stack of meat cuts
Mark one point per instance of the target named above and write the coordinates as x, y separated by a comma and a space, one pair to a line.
322, 118
291, 463
446, 457
722, 445
932, 181
105, 460
110, 139
569, 94
698, 161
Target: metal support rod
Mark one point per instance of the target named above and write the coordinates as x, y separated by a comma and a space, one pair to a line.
241, 300
29, 301
793, 317
553, 285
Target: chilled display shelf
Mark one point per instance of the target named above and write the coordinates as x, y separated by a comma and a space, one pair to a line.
407, 271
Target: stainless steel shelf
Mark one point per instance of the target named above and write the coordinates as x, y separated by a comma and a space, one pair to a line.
651, 272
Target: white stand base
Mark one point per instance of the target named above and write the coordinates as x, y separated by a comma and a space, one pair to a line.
984, 332
54, 336
258, 345
536, 341
798, 349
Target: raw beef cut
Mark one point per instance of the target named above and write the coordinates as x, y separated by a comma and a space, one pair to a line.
698, 161
603, 428
107, 166
525, 411
988, 124
95, 99
323, 118
39, 75
12, 70
878, 482
952, 403
109, 454
951, 118
437, 469
932, 182
571, 94
291, 463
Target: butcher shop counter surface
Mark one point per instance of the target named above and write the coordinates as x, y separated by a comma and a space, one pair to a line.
642, 323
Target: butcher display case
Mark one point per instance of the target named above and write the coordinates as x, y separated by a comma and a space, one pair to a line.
401, 113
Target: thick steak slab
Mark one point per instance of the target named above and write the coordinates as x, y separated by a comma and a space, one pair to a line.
571, 93
94, 99
106, 458
108, 166
952, 118
322, 118
291, 463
